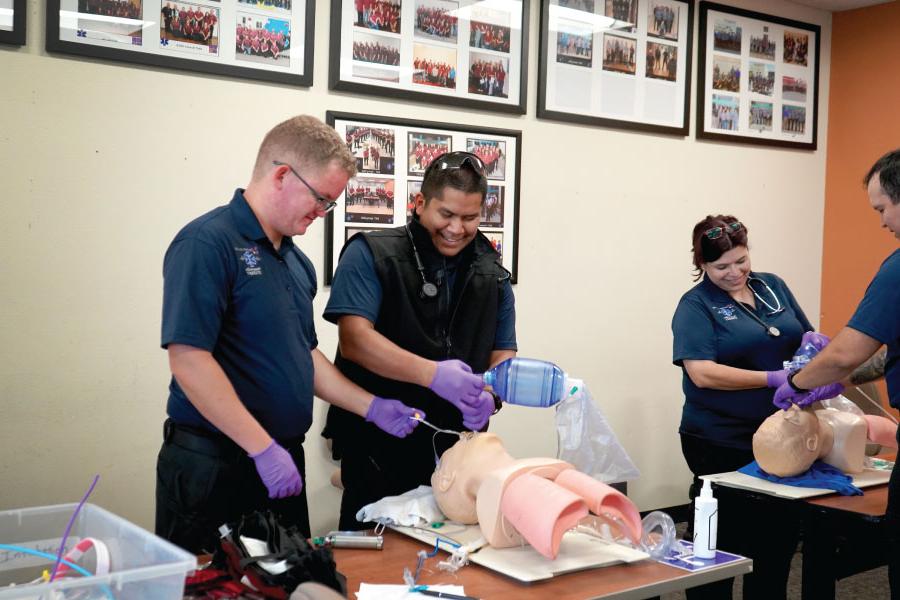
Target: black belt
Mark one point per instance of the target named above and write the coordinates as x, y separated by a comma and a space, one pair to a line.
211, 443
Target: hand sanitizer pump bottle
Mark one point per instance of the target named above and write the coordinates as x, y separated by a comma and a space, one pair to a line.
706, 521
527, 382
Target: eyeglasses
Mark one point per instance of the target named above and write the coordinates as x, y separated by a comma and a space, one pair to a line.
455, 160
715, 233
323, 202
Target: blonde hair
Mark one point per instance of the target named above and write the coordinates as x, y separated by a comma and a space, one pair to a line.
304, 142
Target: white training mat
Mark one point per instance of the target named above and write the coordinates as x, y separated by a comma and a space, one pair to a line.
867, 478
577, 552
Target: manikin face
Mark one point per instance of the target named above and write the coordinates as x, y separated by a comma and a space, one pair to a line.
294, 207
787, 442
881, 202
451, 219
731, 270
456, 479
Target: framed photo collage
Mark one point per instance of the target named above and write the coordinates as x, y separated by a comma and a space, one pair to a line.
759, 78
269, 40
459, 52
12, 22
617, 63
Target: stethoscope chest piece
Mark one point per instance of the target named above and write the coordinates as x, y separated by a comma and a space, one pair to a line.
429, 290
773, 331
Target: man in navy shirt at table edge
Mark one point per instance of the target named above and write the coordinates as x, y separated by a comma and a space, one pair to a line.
855, 349
238, 327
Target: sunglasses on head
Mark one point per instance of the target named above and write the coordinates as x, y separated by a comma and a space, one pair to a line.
455, 160
715, 233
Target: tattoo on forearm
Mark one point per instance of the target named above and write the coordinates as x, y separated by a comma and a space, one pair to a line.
870, 370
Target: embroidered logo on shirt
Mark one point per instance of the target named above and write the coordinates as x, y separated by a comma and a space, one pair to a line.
250, 257
728, 311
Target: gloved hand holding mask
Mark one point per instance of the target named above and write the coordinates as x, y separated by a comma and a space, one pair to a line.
454, 381
785, 395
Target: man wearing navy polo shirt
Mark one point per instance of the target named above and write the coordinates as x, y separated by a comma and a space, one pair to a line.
876, 322
419, 308
238, 326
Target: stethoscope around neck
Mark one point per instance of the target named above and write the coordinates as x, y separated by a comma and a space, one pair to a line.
771, 310
428, 290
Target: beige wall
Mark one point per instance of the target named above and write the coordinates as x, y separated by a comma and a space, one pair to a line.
102, 164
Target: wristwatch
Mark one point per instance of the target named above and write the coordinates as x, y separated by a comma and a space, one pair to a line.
793, 385
498, 403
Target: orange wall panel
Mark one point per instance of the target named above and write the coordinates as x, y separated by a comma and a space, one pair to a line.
863, 124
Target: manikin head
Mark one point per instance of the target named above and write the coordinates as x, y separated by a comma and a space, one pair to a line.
461, 470
789, 441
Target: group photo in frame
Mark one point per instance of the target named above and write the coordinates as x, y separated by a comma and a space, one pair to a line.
12, 22
266, 40
617, 63
758, 81
391, 157
458, 52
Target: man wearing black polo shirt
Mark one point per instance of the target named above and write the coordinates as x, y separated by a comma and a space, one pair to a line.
238, 326
876, 322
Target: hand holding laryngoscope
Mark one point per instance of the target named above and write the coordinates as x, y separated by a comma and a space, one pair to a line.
392, 416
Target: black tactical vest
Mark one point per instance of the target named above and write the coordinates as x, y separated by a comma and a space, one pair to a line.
459, 323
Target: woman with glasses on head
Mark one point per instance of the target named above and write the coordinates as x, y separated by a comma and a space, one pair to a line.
732, 332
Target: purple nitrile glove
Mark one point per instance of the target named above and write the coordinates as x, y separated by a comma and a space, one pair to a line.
477, 413
785, 395
818, 340
454, 381
774, 379
278, 472
393, 417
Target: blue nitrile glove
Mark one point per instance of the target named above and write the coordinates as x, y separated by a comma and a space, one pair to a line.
454, 381
477, 413
278, 472
785, 395
818, 340
774, 379
393, 417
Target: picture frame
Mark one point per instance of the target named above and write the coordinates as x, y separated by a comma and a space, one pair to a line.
252, 39
758, 79
617, 63
392, 155
462, 53
12, 22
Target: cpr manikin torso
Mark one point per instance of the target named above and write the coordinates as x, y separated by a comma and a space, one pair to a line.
516, 501
789, 441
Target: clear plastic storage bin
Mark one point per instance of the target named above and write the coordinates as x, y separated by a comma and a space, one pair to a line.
141, 565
